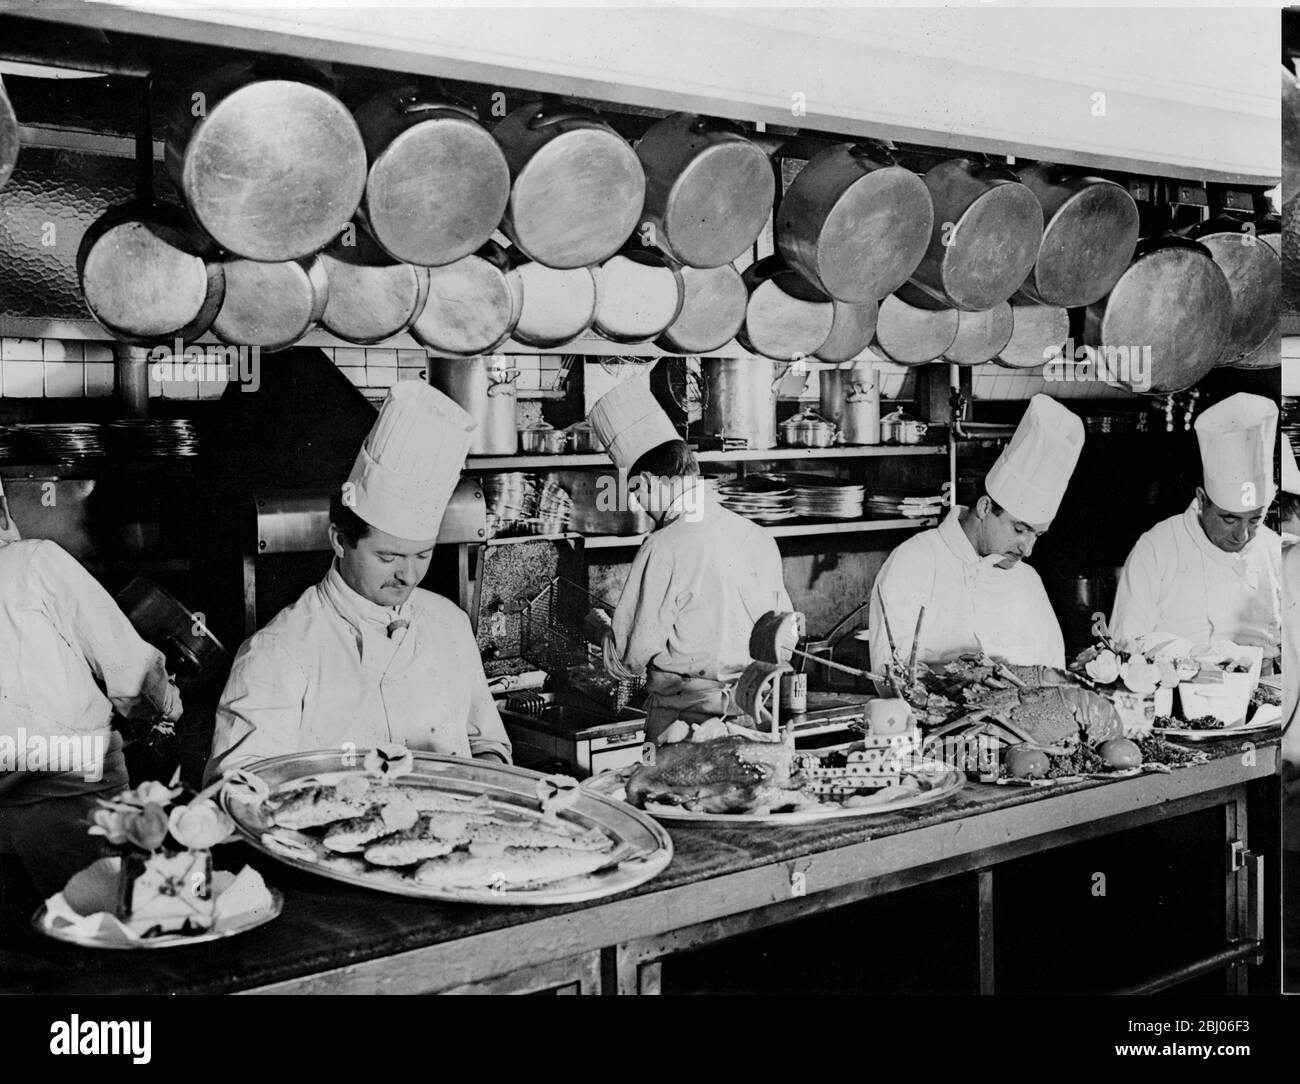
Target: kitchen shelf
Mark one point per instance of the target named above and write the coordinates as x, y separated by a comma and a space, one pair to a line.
95, 467
786, 530
557, 462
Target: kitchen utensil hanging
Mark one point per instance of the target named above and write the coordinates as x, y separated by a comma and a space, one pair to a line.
372, 297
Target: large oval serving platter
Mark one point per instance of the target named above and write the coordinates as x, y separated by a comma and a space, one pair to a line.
943, 780
642, 848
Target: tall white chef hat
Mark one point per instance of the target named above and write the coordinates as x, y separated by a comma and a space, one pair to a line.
1031, 474
1290, 472
630, 422
1236, 438
410, 462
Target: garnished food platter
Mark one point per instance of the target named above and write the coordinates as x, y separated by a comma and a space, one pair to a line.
923, 780
1264, 717
444, 828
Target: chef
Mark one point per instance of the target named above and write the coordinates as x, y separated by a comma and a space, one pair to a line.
699, 582
1213, 573
69, 659
969, 572
365, 657
1288, 501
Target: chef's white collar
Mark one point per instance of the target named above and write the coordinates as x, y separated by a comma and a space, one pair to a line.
357, 608
691, 503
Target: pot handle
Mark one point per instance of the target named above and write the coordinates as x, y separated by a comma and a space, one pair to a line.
716, 124
547, 116
417, 103
784, 369
874, 151
986, 167
500, 379
1169, 240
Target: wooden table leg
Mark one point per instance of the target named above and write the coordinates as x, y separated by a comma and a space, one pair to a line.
984, 884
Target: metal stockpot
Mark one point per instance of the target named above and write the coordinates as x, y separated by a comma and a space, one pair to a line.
981, 336
372, 297
191, 651
1254, 274
273, 166
1037, 332
912, 335
860, 414
1090, 231
577, 187
713, 308
271, 305
854, 223
485, 390
708, 189
785, 317
985, 238
473, 304
640, 295
437, 182
1173, 301
852, 329
740, 399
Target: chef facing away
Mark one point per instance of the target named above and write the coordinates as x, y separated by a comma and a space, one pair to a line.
969, 572
69, 660
365, 656
1213, 572
699, 582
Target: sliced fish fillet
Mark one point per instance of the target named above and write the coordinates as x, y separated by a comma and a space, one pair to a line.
409, 847
312, 807
352, 835
514, 867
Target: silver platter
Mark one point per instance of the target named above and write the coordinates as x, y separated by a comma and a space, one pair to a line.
645, 846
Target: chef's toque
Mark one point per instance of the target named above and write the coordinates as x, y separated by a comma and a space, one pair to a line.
630, 422
1290, 472
1031, 474
1236, 438
410, 462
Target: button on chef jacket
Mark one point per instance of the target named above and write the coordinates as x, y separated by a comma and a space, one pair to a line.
694, 591
325, 674
1177, 581
69, 659
970, 604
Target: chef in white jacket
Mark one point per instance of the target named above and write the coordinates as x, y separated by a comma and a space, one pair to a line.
969, 572
1213, 573
699, 582
69, 660
366, 657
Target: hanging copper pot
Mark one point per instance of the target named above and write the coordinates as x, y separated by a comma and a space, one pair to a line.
912, 335
372, 297
437, 182
1038, 334
854, 223
1090, 231
577, 187
1173, 305
852, 329
641, 293
1254, 274
709, 190
271, 305
713, 308
985, 237
981, 336
558, 305
270, 162
785, 317
473, 304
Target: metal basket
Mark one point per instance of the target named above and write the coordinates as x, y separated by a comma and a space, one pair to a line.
552, 638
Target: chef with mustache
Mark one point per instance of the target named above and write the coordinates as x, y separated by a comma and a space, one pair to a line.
365, 657
1213, 572
969, 572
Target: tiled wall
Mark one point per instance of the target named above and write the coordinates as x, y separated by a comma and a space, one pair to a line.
74, 369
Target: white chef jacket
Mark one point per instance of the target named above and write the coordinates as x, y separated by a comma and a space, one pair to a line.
970, 604
694, 591
69, 658
325, 674
1177, 581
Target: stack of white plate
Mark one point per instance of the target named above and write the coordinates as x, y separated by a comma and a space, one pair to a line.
510, 497
912, 504
826, 498
761, 498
